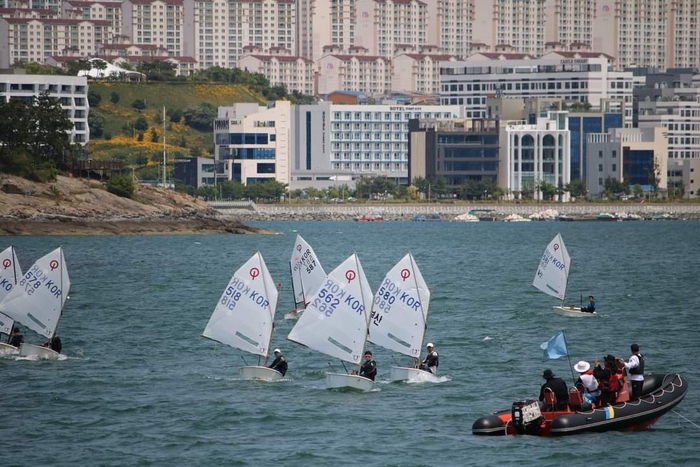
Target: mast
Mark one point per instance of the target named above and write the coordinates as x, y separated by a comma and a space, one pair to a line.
272, 310
164, 154
60, 252
362, 296
420, 300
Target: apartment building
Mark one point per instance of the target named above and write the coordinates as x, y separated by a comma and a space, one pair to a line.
586, 79
354, 71
26, 40
382, 26
281, 68
70, 90
156, 22
110, 11
417, 72
322, 23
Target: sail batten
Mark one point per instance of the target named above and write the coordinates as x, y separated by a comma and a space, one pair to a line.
244, 315
400, 309
38, 298
336, 317
553, 270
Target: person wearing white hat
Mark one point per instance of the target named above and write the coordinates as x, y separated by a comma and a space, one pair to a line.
432, 360
279, 363
588, 381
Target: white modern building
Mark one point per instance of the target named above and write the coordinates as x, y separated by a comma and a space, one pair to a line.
70, 90
685, 173
631, 155
252, 142
534, 153
336, 144
587, 79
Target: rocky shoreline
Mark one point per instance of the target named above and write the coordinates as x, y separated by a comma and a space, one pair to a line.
71, 206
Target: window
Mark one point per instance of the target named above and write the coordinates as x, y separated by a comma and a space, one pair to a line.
614, 167
600, 167
614, 154
600, 153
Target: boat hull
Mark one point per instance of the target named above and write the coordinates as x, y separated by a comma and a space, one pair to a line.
662, 392
7, 349
413, 375
259, 373
344, 381
573, 312
45, 353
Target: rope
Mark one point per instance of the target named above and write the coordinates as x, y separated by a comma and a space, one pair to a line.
686, 419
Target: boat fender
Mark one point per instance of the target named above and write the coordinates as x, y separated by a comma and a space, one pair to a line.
489, 425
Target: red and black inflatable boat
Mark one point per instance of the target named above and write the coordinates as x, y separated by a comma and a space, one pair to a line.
661, 393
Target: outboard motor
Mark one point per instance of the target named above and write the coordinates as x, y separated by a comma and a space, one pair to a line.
527, 417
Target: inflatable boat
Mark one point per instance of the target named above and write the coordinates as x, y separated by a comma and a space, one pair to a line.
660, 394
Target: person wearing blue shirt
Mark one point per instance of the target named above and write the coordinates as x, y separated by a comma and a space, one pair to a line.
591, 305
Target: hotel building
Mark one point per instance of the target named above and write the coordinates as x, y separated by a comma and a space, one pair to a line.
70, 90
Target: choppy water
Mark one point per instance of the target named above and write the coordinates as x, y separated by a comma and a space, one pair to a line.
141, 387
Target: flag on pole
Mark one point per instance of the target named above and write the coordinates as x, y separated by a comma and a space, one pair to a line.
554, 347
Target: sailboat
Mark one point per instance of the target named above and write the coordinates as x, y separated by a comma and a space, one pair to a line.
10, 272
307, 275
553, 274
336, 322
245, 314
38, 299
400, 317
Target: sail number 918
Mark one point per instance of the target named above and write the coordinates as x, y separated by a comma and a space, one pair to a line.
326, 302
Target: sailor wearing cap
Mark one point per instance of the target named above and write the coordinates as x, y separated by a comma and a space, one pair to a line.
279, 363
431, 361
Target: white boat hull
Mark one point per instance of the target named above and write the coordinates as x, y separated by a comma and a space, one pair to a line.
412, 374
7, 349
341, 380
260, 373
294, 314
29, 350
572, 311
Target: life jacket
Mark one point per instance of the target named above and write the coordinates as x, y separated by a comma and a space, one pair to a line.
612, 383
639, 369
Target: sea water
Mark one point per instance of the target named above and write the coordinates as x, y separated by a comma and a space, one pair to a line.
141, 386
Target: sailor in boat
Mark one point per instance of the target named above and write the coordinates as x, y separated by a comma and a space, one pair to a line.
16, 338
369, 367
54, 344
431, 361
558, 387
609, 379
279, 363
589, 382
591, 305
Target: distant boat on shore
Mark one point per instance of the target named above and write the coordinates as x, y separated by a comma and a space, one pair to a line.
369, 218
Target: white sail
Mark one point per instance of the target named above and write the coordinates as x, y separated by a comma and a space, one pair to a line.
10, 271
400, 309
306, 269
553, 271
337, 317
38, 298
245, 314
6, 324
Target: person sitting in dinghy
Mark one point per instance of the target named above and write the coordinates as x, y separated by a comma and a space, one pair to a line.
369, 368
432, 360
54, 344
591, 305
17, 338
279, 363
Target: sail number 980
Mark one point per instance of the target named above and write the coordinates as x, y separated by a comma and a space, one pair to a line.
326, 302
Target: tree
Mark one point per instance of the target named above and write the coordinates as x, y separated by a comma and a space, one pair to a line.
141, 124
94, 98
655, 176
638, 190
114, 97
154, 135
158, 70
577, 188
121, 185
139, 104
96, 121
50, 138
200, 117
547, 189
175, 115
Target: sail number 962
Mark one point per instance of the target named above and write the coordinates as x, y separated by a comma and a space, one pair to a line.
326, 302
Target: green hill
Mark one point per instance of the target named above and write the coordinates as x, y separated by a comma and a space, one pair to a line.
120, 138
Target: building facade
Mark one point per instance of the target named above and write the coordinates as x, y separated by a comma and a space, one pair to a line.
631, 155
586, 80
70, 90
534, 153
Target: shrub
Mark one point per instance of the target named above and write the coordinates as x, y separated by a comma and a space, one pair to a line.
121, 185
94, 98
141, 124
139, 104
114, 97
